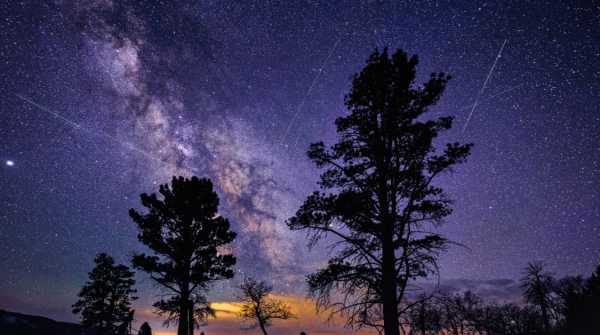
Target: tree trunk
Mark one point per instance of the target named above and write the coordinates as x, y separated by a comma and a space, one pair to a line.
191, 318
542, 298
545, 316
104, 321
262, 327
183, 307
103, 310
111, 306
388, 285
423, 318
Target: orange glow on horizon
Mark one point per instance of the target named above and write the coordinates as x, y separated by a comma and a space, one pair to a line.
229, 322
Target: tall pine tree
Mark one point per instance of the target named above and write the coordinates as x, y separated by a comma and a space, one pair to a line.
106, 298
378, 200
185, 234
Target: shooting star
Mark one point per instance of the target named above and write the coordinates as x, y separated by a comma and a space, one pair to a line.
310, 89
76, 125
298, 137
483, 88
493, 96
120, 92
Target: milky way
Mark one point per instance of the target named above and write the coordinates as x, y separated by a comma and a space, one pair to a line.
236, 91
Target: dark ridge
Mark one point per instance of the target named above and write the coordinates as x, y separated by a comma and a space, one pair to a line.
23, 324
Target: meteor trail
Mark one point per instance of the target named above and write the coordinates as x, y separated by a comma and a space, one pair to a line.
310, 89
484, 84
297, 137
76, 125
493, 96
120, 92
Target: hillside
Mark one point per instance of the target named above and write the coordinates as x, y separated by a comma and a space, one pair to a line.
22, 324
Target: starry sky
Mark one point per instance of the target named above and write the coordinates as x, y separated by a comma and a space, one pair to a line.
103, 100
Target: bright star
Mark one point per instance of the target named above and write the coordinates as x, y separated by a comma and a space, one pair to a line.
9, 163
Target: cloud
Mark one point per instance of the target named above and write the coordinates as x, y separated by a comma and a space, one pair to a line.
226, 310
500, 282
502, 289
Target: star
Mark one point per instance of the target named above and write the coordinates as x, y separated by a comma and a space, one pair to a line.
10, 163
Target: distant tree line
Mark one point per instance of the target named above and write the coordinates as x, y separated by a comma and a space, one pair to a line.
569, 306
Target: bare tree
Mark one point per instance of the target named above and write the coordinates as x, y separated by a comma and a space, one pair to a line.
461, 313
256, 306
537, 285
423, 318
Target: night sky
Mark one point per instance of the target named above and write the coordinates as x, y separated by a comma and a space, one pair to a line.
103, 100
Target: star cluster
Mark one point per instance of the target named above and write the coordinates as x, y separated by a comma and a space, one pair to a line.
101, 101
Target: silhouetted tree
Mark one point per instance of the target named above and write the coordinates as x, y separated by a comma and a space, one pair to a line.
468, 314
537, 286
509, 318
461, 314
423, 318
582, 306
185, 234
145, 329
258, 308
573, 308
378, 199
561, 290
106, 297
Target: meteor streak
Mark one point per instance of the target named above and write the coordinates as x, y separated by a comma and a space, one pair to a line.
120, 92
76, 125
310, 89
483, 88
493, 96
298, 137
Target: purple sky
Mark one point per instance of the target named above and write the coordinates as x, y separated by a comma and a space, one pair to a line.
101, 101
